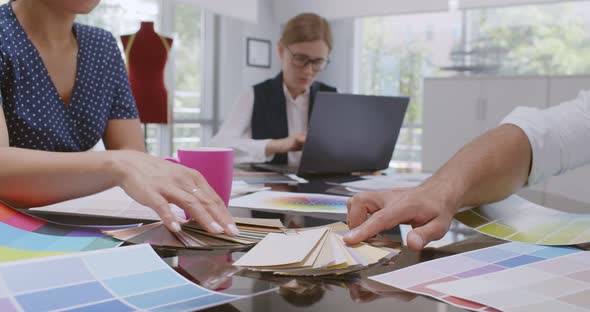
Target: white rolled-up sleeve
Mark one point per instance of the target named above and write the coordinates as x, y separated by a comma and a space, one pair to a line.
236, 132
559, 136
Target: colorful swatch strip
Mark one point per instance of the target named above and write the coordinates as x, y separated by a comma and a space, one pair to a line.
23, 236
421, 277
516, 219
119, 279
286, 201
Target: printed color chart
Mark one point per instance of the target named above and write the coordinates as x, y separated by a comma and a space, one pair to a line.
118, 279
516, 219
419, 278
23, 236
286, 201
558, 284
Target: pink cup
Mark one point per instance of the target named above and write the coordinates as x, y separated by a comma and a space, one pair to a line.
215, 164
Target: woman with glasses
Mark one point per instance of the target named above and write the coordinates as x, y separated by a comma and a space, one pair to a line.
268, 122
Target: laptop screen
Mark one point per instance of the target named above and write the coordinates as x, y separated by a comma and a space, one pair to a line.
349, 133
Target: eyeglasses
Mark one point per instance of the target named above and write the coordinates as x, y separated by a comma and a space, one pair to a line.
301, 61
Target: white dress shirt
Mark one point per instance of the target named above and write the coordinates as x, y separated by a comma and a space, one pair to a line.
559, 136
236, 131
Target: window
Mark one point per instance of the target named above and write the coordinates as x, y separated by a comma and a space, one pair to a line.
548, 39
396, 53
190, 115
191, 120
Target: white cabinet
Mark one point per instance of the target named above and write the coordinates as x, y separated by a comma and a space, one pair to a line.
456, 110
500, 96
573, 184
449, 119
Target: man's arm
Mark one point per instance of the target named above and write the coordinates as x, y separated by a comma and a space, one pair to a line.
488, 169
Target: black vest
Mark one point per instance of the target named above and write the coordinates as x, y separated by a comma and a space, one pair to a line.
269, 116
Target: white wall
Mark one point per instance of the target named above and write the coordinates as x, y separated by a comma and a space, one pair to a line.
471, 4
335, 9
339, 72
234, 75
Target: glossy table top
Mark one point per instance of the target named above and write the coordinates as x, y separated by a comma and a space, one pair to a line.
352, 292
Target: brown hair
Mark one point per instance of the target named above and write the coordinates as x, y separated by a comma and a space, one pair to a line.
307, 27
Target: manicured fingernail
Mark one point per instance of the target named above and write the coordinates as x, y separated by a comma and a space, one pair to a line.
233, 229
216, 227
175, 226
415, 239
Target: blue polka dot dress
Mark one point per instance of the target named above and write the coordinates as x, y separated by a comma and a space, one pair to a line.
36, 116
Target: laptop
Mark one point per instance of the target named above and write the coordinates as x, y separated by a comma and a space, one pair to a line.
348, 133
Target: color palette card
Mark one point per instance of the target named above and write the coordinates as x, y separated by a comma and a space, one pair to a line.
240, 188
119, 279
266, 177
516, 219
421, 277
286, 201
193, 236
23, 236
311, 252
386, 182
556, 284
113, 202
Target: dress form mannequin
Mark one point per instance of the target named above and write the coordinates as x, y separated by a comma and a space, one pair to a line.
146, 53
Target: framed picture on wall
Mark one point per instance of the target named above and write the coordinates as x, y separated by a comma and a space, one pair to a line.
258, 52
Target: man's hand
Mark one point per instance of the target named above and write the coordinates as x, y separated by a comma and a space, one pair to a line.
428, 210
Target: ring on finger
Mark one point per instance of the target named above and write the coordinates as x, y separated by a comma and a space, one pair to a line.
194, 190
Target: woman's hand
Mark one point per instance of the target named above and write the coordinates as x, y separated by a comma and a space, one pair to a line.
155, 183
289, 144
428, 209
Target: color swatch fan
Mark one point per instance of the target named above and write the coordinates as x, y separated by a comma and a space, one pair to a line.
194, 236
310, 252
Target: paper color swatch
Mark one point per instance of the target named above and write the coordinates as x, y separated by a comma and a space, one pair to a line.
118, 279
113, 202
516, 219
419, 278
286, 201
193, 235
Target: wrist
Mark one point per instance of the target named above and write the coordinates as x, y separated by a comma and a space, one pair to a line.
447, 193
114, 165
274, 146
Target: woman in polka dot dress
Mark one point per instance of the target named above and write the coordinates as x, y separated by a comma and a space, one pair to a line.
63, 87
